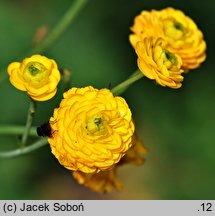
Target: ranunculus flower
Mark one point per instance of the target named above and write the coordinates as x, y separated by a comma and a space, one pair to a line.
91, 130
181, 33
37, 75
156, 62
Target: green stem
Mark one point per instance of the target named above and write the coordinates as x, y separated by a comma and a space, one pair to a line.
31, 112
59, 29
16, 130
18, 152
122, 87
61, 26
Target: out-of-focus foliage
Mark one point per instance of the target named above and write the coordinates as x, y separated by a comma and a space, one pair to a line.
176, 125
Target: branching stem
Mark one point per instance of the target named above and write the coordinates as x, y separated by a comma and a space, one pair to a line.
122, 87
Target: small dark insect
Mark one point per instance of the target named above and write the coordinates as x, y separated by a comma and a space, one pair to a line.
44, 130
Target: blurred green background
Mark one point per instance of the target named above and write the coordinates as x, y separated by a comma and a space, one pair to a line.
176, 125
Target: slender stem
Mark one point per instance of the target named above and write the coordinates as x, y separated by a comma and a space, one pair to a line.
31, 112
61, 26
16, 130
122, 87
21, 151
47, 43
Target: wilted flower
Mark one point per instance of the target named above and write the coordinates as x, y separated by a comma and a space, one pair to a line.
91, 130
181, 33
102, 182
105, 181
37, 75
157, 63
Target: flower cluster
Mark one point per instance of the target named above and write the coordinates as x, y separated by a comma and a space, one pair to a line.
37, 75
184, 47
92, 132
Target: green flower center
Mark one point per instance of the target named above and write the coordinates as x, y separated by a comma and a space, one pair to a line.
164, 57
169, 59
95, 125
178, 26
98, 122
174, 29
35, 68
36, 74
170, 56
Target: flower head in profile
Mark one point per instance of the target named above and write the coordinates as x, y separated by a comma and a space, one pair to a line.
91, 130
37, 75
179, 31
106, 181
102, 182
156, 62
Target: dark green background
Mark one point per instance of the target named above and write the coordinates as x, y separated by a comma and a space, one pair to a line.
176, 125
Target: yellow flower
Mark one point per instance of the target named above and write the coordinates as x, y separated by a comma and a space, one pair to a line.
183, 36
181, 33
105, 181
91, 130
157, 63
37, 75
145, 25
102, 182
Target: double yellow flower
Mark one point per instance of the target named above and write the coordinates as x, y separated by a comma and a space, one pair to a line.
91, 130
184, 47
37, 75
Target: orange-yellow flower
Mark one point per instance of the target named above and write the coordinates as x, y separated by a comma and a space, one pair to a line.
157, 63
102, 182
106, 181
91, 130
37, 75
181, 33
146, 24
